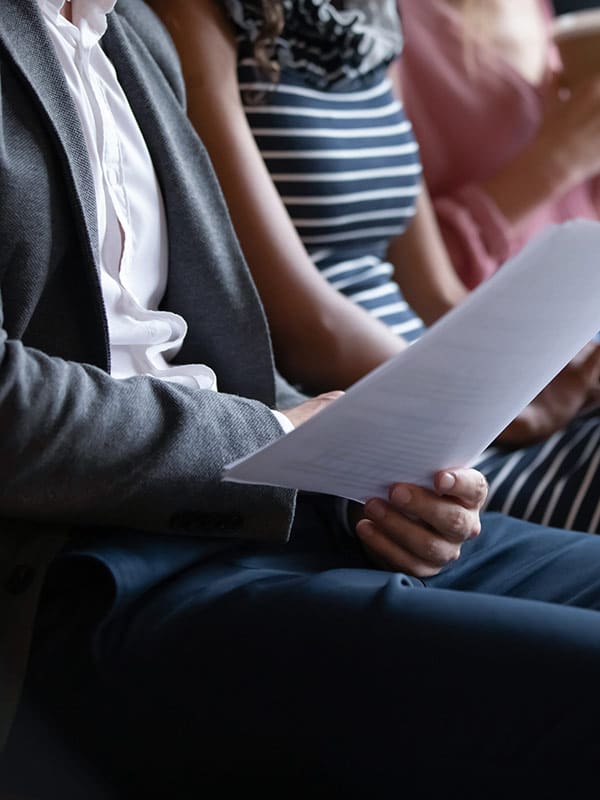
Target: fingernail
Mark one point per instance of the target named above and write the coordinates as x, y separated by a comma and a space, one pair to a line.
376, 510
401, 495
446, 481
365, 528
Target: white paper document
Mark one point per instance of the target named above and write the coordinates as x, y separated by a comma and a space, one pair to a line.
442, 401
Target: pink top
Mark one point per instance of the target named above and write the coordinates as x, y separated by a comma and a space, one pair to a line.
468, 129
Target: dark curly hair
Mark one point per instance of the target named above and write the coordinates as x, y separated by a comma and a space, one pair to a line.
270, 29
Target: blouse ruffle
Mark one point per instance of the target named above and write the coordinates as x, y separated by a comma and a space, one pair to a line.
326, 44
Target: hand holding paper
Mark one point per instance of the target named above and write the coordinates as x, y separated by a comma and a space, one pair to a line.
440, 402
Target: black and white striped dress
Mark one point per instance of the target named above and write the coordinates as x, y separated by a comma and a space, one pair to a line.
343, 157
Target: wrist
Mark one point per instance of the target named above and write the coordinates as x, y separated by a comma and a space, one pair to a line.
286, 423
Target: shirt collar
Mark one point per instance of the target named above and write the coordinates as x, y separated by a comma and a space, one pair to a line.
88, 15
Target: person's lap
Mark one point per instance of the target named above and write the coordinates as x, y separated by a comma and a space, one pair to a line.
302, 662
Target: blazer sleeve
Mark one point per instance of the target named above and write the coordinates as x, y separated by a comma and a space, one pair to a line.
80, 447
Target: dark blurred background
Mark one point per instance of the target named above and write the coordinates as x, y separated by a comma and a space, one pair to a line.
564, 6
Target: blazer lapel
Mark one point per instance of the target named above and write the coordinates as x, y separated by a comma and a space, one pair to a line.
23, 35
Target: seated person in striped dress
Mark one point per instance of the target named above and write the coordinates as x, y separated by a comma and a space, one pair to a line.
297, 106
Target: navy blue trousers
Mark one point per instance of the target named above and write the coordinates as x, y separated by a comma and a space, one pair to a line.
183, 669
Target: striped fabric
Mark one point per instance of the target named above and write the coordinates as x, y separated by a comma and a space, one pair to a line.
347, 168
345, 162
338, 146
554, 482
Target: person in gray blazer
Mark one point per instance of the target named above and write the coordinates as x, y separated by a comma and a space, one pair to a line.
185, 637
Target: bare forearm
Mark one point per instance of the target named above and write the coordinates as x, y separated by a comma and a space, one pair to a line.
330, 344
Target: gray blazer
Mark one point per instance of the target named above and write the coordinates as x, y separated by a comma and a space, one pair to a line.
78, 448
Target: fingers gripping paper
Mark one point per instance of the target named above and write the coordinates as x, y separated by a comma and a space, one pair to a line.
444, 399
